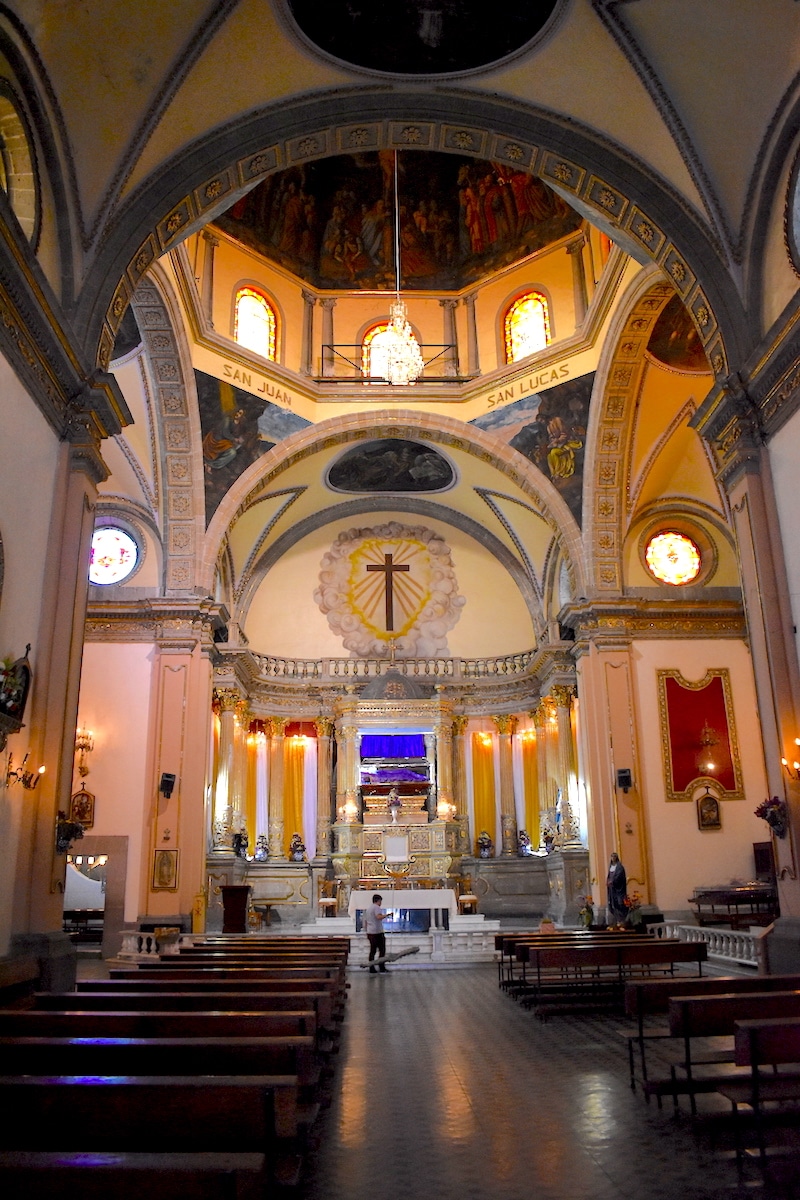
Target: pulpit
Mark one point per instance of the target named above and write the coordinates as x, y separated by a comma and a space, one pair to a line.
235, 900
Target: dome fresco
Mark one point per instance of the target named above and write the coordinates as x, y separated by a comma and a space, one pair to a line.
331, 222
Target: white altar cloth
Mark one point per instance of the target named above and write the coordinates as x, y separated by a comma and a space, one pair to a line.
433, 898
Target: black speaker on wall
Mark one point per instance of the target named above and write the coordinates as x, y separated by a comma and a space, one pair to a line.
167, 785
624, 779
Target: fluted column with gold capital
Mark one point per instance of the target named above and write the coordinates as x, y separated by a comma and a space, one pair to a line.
238, 790
459, 746
505, 725
348, 780
324, 728
564, 765
445, 808
226, 702
277, 739
544, 720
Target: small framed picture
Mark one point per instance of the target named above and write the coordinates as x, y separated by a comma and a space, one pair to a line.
81, 808
165, 871
708, 814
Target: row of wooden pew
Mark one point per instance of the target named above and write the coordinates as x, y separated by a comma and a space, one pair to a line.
737, 1037
572, 971
196, 1074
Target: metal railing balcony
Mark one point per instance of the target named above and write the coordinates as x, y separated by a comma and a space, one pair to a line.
343, 363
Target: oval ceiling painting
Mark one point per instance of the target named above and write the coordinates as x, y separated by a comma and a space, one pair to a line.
421, 37
391, 465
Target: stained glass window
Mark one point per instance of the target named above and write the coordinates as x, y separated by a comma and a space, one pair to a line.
114, 555
526, 326
673, 557
255, 324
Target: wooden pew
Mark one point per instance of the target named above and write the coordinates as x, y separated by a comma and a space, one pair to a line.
65, 1175
692, 1017
206, 1025
765, 1046
151, 984
564, 977
255, 979
650, 997
509, 946
131, 1113
111, 999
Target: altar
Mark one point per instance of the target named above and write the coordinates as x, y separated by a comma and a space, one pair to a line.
438, 903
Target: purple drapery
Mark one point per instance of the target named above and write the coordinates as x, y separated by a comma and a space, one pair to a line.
392, 745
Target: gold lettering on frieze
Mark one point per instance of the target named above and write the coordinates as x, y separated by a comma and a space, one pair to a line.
259, 385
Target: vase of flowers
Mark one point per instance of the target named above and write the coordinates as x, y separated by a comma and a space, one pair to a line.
485, 845
776, 813
633, 903
586, 913
297, 848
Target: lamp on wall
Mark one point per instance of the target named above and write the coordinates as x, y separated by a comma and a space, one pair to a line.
84, 744
404, 361
28, 779
792, 771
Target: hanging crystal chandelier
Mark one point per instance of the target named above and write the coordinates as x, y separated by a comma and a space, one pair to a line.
404, 361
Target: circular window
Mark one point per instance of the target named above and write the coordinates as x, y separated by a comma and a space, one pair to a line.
114, 555
673, 558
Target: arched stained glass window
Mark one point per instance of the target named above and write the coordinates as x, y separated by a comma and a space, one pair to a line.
255, 325
526, 327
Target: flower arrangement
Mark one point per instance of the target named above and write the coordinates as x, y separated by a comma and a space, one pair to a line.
297, 848
394, 800
633, 904
586, 913
776, 813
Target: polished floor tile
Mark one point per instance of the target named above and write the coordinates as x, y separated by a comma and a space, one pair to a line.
447, 1089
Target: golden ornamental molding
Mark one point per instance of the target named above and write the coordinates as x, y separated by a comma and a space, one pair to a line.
627, 620
166, 622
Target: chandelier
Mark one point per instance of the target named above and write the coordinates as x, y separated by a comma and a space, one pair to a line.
404, 361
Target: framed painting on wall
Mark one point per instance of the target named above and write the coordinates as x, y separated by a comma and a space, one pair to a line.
81, 808
708, 813
698, 735
165, 871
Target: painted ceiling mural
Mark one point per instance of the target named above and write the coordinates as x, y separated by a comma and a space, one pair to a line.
674, 340
237, 429
549, 428
391, 465
390, 583
331, 222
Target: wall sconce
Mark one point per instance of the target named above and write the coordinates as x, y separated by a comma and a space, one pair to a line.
84, 744
28, 779
792, 771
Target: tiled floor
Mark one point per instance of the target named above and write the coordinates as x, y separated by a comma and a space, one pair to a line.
448, 1090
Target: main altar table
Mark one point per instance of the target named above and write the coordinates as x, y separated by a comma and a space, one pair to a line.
440, 903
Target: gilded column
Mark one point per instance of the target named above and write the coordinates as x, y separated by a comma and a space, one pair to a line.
347, 797
543, 720
226, 702
450, 339
505, 725
207, 297
565, 772
324, 729
459, 748
238, 791
445, 809
277, 729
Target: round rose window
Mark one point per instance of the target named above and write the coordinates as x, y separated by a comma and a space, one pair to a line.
673, 558
114, 555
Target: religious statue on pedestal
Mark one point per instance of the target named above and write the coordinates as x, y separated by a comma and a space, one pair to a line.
395, 804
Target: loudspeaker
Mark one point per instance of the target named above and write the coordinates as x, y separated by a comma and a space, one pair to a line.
167, 784
624, 779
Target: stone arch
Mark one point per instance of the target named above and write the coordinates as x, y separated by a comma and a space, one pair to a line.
374, 505
617, 389
445, 431
628, 200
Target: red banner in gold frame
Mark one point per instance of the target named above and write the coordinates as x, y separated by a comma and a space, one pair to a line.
698, 735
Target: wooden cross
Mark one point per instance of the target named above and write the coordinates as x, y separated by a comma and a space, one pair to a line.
389, 567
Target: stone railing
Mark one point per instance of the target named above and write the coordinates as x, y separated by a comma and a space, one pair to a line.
743, 947
137, 945
331, 670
